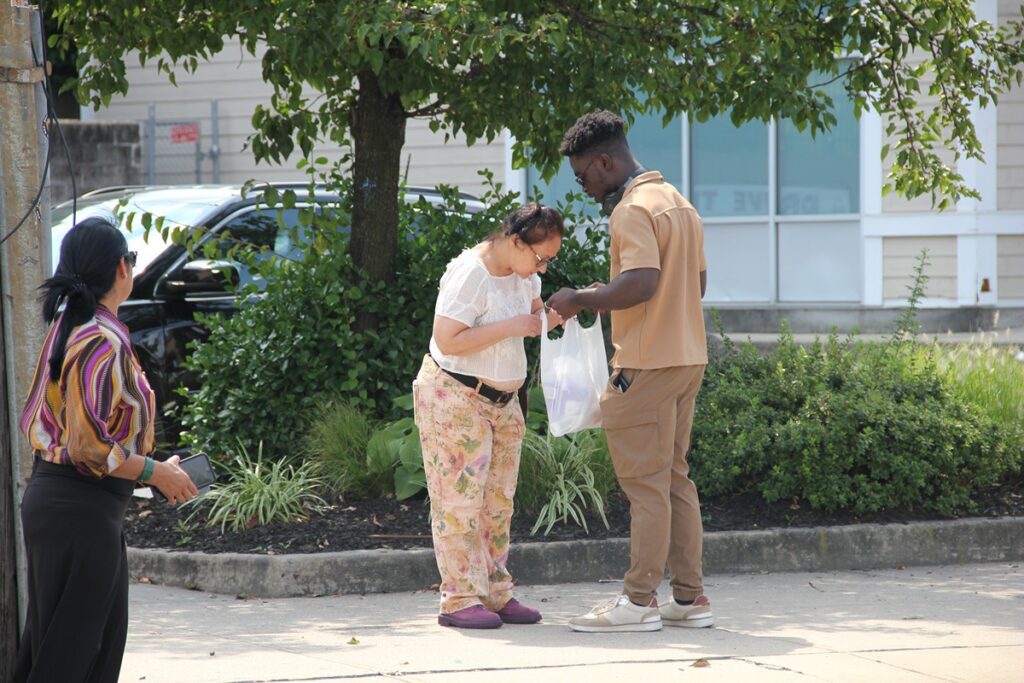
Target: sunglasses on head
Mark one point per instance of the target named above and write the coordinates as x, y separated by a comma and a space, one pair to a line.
131, 257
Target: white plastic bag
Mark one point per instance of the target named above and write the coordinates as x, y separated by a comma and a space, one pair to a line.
573, 373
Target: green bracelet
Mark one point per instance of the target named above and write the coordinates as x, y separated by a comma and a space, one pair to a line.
147, 470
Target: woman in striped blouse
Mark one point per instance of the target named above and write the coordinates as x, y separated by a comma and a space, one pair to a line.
89, 419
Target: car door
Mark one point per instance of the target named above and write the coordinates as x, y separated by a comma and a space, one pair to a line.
250, 228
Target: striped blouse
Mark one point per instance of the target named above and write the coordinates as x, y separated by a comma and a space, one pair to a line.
101, 410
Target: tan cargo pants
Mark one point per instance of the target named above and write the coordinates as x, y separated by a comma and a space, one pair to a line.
648, 428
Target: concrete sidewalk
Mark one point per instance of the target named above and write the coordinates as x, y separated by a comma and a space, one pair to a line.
952, 623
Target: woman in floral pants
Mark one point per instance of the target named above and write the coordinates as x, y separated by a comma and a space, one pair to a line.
471, 428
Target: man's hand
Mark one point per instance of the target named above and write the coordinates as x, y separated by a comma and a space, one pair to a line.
566, 302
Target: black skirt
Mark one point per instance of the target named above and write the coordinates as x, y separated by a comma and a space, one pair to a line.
77, 618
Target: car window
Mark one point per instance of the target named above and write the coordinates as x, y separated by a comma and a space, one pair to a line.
261, 231
148, 247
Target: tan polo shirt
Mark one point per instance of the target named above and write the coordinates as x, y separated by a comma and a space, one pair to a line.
656, 227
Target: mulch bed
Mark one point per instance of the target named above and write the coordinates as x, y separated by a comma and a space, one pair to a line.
390, 523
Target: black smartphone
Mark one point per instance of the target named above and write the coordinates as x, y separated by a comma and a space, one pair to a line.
199, 470
621, 382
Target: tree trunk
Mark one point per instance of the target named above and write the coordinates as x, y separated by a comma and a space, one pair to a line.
378, 132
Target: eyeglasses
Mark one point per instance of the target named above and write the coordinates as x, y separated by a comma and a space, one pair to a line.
581, 177
131, 257
541, 261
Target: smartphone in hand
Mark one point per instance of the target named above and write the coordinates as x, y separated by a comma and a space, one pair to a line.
199, 470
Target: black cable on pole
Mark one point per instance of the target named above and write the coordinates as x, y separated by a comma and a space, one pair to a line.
51, 118
52, 111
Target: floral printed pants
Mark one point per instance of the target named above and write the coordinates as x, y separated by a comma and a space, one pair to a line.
471, 452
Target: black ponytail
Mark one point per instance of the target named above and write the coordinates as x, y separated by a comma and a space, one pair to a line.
89, 256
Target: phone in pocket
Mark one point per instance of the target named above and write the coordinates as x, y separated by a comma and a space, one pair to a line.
621, 382
199, 470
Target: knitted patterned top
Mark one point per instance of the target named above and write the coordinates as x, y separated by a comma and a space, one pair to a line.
101, 410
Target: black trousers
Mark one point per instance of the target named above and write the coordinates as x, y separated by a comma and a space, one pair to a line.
77, 619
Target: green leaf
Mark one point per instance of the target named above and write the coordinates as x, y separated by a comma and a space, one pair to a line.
408, 484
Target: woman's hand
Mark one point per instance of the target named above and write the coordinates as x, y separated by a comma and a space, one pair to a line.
554, 320
172, 481
526, 325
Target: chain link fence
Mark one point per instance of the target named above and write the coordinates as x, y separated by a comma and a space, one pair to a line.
180, 151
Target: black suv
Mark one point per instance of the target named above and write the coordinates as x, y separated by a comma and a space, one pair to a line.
171, 287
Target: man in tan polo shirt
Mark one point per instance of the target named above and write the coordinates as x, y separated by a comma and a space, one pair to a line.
658, 277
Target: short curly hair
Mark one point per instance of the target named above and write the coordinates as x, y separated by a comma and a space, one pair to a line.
596, 129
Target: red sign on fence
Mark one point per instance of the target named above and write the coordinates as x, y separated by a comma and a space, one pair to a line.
188, 132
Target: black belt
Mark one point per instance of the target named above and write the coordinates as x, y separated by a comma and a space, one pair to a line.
486, 390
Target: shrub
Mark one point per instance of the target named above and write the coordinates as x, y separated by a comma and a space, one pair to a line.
564, 477
337, 441
859, 427
260, 492
266, 367
991, 378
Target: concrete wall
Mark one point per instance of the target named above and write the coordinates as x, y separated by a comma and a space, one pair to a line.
103, 153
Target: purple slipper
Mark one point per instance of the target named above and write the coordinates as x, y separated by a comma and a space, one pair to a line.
476, 616
515, 612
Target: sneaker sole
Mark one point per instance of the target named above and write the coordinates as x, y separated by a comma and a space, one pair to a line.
702, 622
621, 628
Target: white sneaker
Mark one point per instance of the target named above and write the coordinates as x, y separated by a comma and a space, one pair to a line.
697, 615
618, 614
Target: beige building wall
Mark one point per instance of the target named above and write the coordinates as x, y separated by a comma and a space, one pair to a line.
1011, 266
894, 203
899, 257
1010, 132
234, 78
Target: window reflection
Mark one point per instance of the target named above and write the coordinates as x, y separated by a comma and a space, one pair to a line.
729, 168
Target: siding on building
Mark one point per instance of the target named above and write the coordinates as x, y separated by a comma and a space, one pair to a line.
1011, 266
234, 78
899, 257
1010, 132
894, 203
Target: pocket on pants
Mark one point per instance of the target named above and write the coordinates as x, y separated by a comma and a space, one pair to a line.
634, 440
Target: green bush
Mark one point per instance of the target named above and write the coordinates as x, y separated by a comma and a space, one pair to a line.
860, 427
842, 426
564, 477
266, 368
337, 443
260, 492
991, 378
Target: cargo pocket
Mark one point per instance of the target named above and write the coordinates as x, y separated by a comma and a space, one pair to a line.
634, 439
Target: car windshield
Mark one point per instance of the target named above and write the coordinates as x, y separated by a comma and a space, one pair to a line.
177, 209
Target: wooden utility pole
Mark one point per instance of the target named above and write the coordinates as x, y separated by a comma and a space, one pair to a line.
23, 261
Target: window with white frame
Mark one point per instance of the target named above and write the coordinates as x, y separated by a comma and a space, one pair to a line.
781, 208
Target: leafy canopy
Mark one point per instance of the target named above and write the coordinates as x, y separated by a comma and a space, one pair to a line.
480, 66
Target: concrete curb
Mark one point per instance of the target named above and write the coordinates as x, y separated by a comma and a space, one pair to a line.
858, 546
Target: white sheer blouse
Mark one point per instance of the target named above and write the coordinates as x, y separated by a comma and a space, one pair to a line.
472, 296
